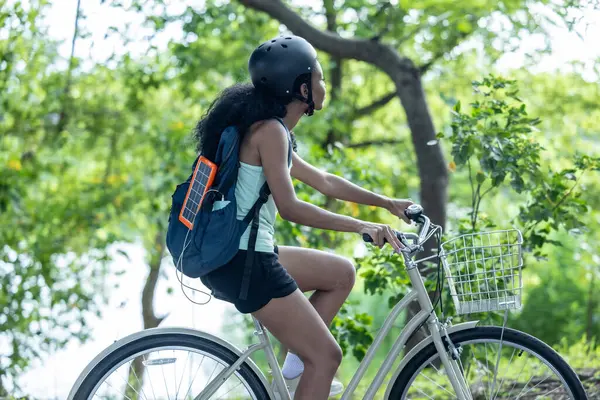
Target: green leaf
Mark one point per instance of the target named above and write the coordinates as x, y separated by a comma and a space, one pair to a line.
457, 107
480, 177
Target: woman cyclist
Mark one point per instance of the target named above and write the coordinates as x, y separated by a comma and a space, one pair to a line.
288, 84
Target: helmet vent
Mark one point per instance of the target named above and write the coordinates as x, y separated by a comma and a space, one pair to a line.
288, 38
261, 45
269, 48
284, 45
273, 41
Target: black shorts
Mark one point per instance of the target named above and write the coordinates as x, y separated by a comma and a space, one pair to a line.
269, 280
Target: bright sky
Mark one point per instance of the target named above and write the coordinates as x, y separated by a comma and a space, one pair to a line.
53, 378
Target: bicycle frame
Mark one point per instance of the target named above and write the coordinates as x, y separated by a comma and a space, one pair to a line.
426, 314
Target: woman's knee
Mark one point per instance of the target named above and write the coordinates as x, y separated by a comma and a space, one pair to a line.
327, 357
336, 355
348, 274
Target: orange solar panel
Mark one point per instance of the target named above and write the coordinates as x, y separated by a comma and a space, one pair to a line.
202, 179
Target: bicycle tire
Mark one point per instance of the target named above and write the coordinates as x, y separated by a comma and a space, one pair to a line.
163, 340
407, 376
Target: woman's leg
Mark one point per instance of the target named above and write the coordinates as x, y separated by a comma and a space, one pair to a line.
330, 276
296, 324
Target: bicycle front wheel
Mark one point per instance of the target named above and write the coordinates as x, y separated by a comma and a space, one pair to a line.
496, 364
172, 366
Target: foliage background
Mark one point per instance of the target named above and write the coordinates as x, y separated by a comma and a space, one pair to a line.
93, 143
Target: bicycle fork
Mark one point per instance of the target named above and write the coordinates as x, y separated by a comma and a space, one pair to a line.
438, 332
450, 357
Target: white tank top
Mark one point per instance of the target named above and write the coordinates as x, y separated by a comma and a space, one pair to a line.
250, 179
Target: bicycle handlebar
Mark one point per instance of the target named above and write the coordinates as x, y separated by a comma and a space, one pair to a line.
414, 212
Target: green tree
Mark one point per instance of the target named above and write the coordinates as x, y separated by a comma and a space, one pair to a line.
59, 198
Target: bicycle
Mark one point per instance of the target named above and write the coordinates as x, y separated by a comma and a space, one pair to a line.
482, 277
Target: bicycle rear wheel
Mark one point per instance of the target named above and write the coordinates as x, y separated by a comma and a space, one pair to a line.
173, 366
496, 365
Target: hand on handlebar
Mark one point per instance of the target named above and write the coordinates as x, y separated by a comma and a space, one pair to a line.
398, 208
380, 234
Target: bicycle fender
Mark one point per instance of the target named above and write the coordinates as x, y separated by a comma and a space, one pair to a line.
422, 344
163, 331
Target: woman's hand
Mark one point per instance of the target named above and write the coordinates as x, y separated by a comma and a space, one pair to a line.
397, 207
380, 233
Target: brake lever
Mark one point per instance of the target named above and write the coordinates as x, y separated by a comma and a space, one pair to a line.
412, 249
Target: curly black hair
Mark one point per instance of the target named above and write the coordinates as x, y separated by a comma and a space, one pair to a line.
240, 105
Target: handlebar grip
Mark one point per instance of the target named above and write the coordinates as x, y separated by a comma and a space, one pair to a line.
399, 235
367, 238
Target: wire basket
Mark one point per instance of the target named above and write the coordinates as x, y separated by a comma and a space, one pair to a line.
484, 270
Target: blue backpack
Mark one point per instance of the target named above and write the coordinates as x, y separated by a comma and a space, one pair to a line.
215, 236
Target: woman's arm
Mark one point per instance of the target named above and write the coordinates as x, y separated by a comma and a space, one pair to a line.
342, 189
336, 186
271, 141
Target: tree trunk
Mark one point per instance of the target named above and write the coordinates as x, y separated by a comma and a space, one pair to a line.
431, 165
136, 369
433, 173
336, 72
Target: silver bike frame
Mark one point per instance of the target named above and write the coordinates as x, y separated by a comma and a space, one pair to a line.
426, 314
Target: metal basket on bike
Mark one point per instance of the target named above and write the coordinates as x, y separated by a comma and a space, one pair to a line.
484, 270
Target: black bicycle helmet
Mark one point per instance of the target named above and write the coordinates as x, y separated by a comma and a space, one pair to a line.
276, 64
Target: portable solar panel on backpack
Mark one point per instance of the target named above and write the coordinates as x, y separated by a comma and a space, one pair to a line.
201, 238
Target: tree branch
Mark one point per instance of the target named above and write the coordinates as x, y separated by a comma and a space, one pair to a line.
360, 112
568, 193
63, 116
386, 29
367, 143
329, 42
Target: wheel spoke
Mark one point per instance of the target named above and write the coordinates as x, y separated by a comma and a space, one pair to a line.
124, 394
524, 387
536, 385
507, 368
517, 378
140, 383
126, 380
181, 380
149, 379
193, 380
221, 396
162, 367
438, 385
425, 394
547, 393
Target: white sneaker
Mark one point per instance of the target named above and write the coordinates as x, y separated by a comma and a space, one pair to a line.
337, 387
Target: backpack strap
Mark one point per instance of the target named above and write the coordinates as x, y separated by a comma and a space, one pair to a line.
254, 216
224, 186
